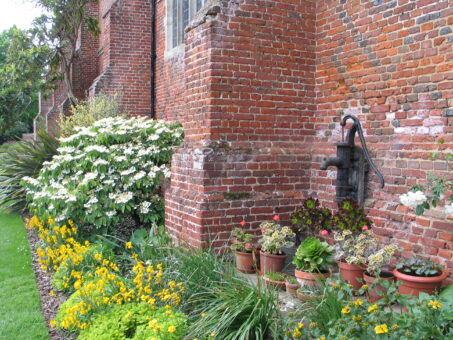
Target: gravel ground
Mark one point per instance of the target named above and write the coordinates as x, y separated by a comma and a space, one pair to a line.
49, 304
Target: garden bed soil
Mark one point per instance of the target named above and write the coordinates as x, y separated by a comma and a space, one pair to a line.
49, 304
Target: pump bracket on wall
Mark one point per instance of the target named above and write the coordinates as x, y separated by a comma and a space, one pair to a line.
352, 164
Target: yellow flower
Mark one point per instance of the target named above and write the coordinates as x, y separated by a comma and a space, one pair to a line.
357, 317
98, 257
171, 329
52, 293
313, 325
381, 329
203, 315
77, 284
152, 324
358, 302
345, 310
364, 287
395, 326
321, 338
296, 333
53, 323
372, 308
300, 325
434, 304
128, 245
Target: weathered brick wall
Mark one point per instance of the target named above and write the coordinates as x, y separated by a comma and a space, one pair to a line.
249, 70
125, 53
85, 66
390, 63
170, 73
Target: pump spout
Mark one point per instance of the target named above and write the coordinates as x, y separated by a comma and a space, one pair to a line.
332, 161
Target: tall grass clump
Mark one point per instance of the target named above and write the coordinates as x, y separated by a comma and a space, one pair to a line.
23, 159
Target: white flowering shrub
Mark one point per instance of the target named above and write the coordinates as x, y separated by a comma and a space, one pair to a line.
104, 172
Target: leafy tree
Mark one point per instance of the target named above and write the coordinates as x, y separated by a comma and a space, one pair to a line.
22, 67
60, 29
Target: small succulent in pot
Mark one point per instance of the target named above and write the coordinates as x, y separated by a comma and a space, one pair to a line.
311, 219
275, 280
419, 267
313, 256
419, 275
350, 216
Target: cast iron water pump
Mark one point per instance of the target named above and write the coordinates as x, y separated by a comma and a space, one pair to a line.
352, 164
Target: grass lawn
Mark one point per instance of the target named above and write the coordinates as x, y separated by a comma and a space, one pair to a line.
20, 312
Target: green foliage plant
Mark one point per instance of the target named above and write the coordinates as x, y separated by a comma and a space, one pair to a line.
351, 317
380, 257
102, 173
311, 219
136, 321
23, 159
242, 241
418, 266
275, 237
350, 216
275, 276
86, 113
313, 256
354, 248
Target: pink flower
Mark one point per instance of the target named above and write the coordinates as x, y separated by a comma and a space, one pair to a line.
365, 227
242, 223
263, 229
276, 218
249, 246
324, 232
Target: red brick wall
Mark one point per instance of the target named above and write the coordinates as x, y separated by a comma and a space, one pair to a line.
249, 101
125, 53
389, 63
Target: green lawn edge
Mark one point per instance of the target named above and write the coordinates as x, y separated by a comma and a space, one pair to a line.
20, 311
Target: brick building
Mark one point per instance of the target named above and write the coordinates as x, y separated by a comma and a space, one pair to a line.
260, 87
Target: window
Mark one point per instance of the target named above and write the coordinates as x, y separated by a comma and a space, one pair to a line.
179, 14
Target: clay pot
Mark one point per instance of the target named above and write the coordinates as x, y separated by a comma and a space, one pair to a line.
244, 262
310, 279
351, 273
414, 285
292, 288
271, 263
278, 285
374, 292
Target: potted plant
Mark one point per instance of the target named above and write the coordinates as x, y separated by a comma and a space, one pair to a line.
312, 261
274, 239
275, 280
351, 251
292, 285
419, 275
374, 273
243, 247
350, 216
311, 219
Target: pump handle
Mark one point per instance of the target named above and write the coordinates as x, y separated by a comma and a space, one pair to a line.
350, 137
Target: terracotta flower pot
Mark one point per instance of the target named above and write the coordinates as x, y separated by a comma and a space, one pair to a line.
310, 279
414, 285
278, 285
271, 263
351, 273
244, 262
292, 288
374, 292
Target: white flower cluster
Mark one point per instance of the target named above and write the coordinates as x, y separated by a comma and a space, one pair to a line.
449, 209
413, 199
102, 172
